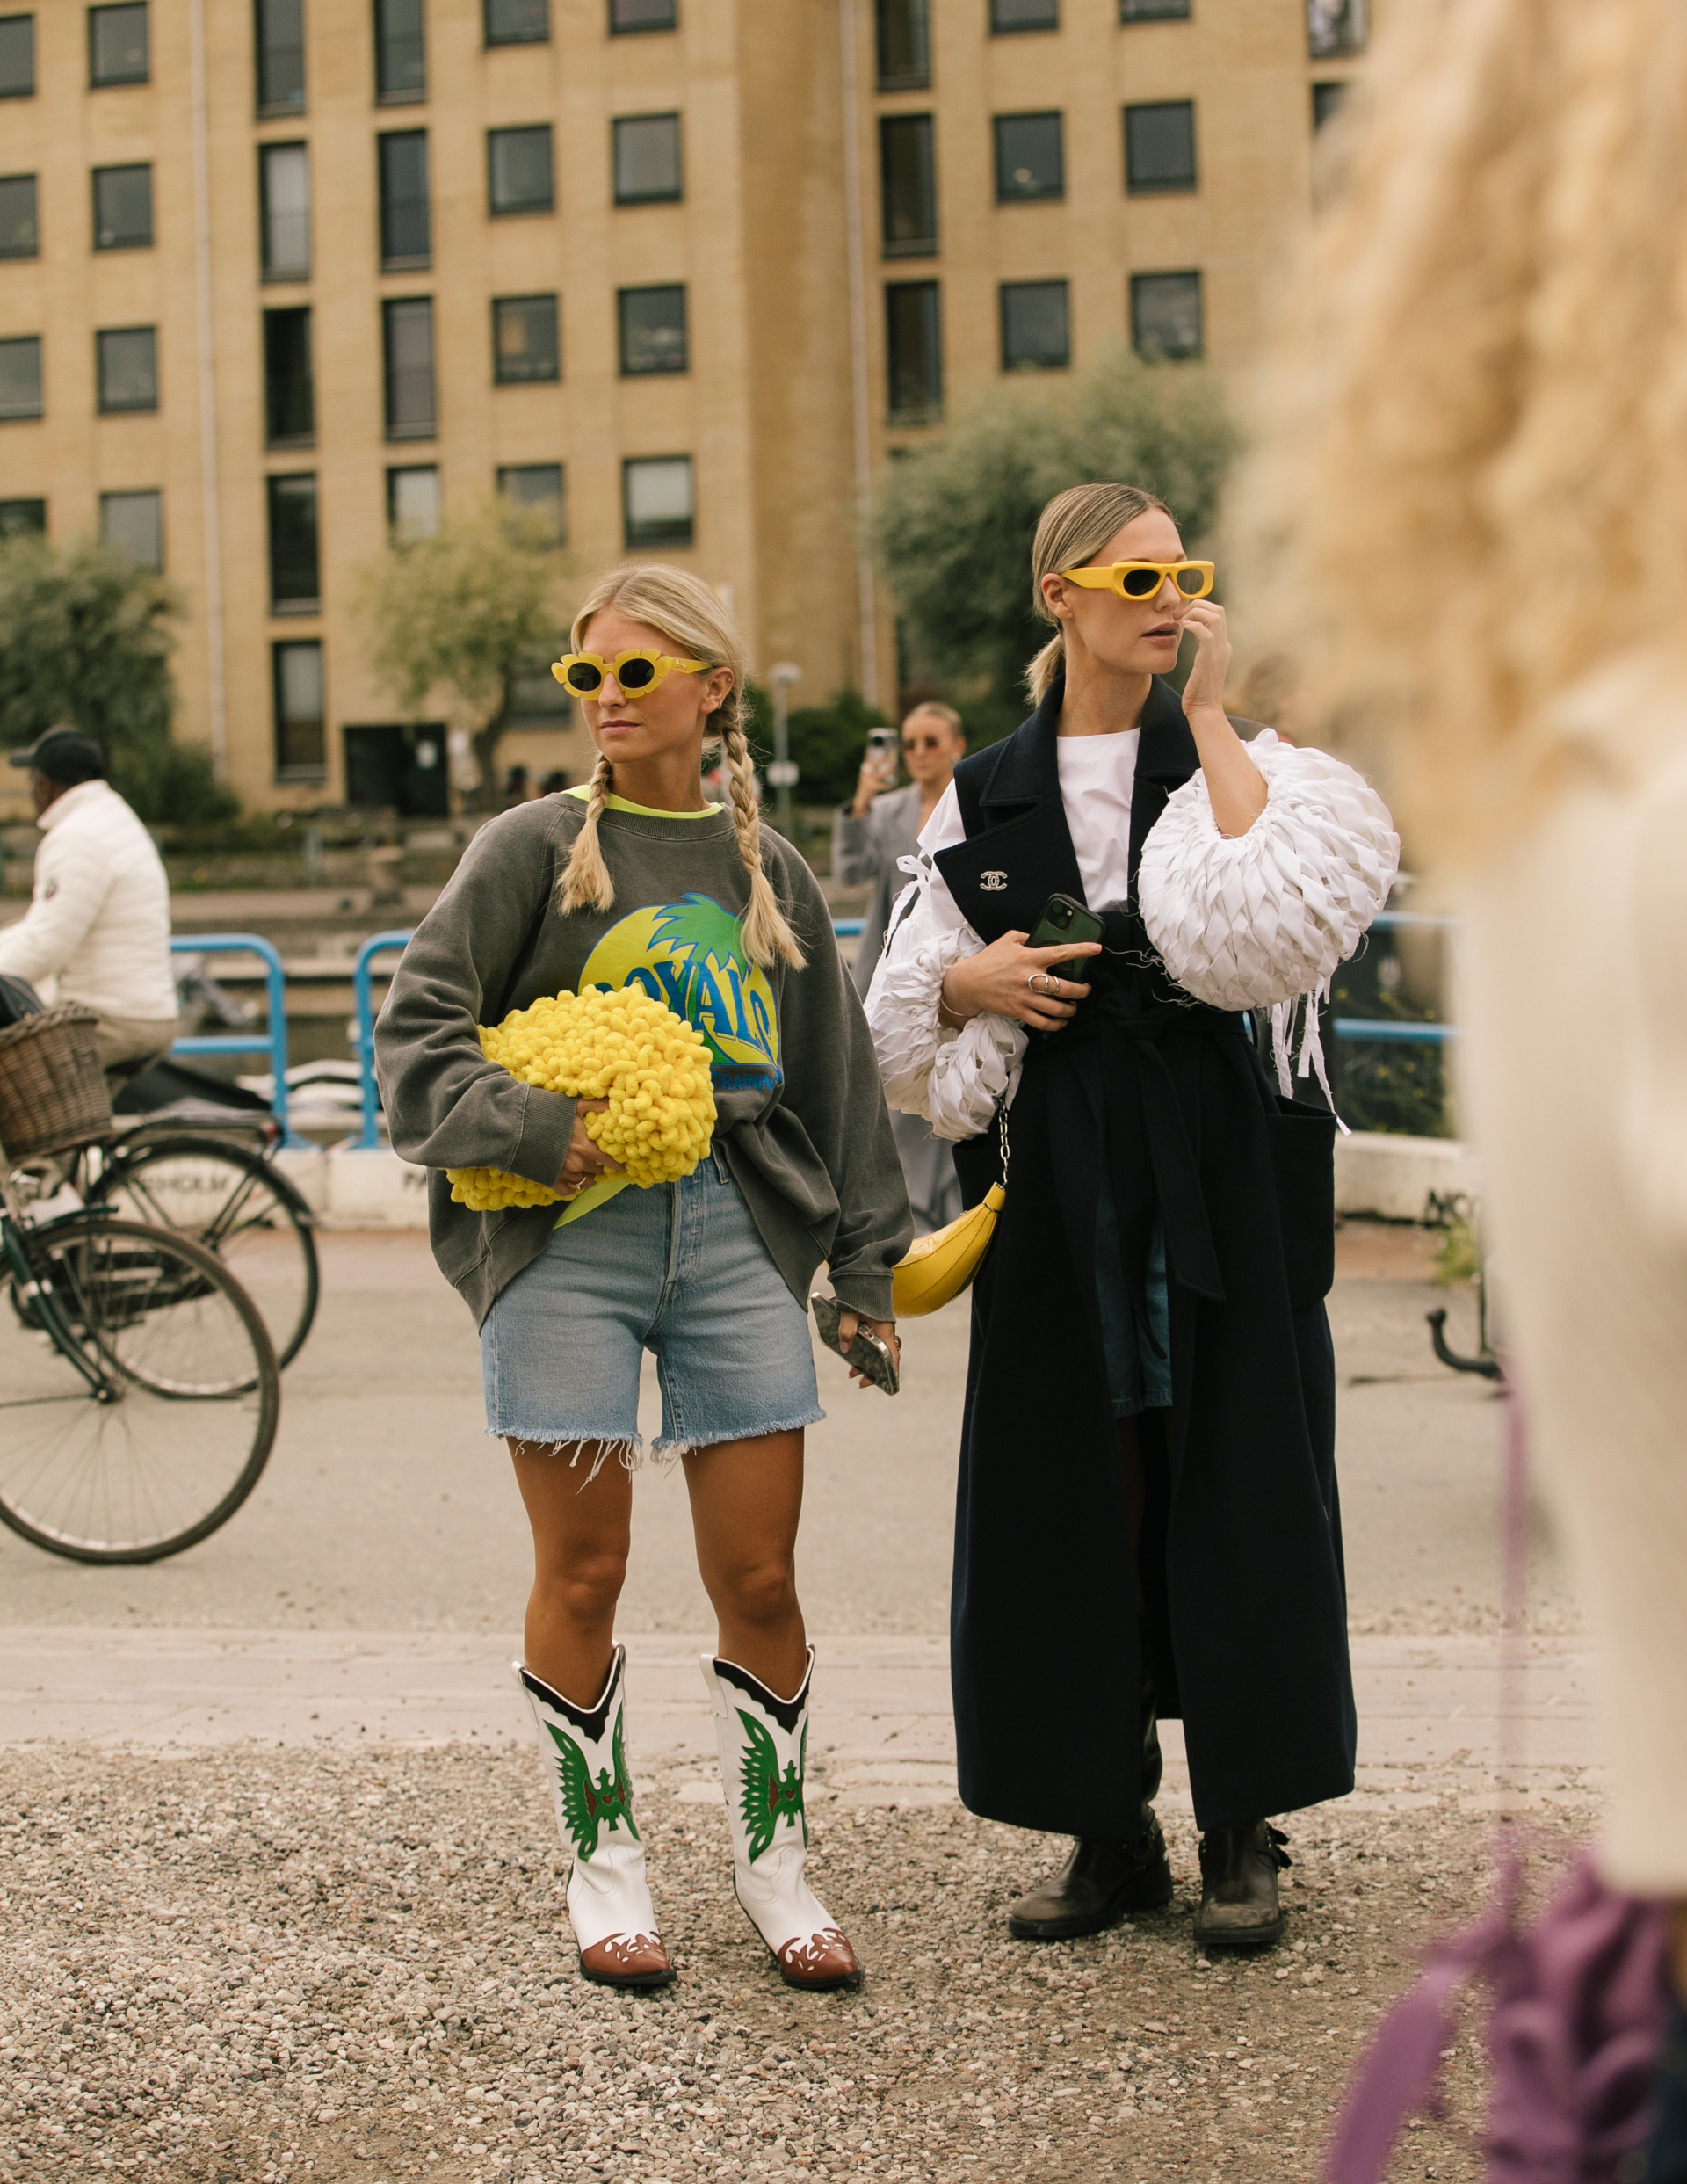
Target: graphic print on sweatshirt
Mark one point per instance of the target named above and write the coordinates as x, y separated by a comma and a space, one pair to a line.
690, 956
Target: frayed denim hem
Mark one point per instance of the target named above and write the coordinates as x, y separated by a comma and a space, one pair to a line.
627, 1452
671, 1451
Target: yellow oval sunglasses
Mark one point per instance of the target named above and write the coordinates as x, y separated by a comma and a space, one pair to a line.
1142, 580
585, 673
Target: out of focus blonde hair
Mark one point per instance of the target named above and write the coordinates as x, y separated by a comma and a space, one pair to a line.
1072, 529
694, 619
1472, 485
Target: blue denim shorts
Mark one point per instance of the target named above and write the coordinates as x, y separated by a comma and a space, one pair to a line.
680, 1270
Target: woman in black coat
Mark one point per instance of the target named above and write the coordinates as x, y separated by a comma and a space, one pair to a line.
1148, 1521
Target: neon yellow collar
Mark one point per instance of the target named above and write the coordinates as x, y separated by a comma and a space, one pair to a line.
612, 802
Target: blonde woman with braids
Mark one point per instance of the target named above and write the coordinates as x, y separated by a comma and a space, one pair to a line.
1148, 1521
1472, 506
636, 880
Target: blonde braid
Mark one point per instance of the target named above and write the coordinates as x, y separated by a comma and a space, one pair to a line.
585, 883
766, 933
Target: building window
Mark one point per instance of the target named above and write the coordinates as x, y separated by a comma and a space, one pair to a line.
295, 584
652, 330
627, 16
122, 208
20, 518
914, 351
517, 22
1335, 26
1160, 146
280, 40
127, 361
117, 46
903, 44
658, 501
296, 679
1036, 328
19, 235
536, 487
518, 169
20, 376
1154, 11
1166, 314
1030, 162
525, 344
16, 70
284, 202
401, 51
289, 391
646, 159
908, 182
413, 503
133, 525
1326, 102
407, 338
406, 240
1025, 15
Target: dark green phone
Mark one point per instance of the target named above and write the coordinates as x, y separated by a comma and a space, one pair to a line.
1064, 918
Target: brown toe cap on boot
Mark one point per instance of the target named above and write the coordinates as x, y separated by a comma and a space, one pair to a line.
627, 1959
824, 1960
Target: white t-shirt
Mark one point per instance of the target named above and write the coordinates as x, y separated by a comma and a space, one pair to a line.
1096, 773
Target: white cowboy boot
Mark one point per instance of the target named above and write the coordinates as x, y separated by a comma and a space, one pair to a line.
609, 1900
763, 1742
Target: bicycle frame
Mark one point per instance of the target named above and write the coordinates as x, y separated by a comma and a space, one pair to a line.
40, 1297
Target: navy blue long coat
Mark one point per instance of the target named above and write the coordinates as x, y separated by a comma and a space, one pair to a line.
1245, 1631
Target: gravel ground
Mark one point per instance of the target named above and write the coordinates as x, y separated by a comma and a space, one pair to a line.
259, 1965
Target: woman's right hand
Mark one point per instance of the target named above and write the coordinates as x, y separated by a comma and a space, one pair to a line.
584, 1162
995, 982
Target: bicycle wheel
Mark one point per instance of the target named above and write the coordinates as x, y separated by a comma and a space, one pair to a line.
238, 1205
159, 1426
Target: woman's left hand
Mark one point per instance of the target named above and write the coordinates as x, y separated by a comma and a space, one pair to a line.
1205, 689
1234, 782
885, 1329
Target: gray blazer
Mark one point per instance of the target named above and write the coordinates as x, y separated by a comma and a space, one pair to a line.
869, 848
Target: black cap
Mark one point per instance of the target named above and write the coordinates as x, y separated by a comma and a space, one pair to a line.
64, 755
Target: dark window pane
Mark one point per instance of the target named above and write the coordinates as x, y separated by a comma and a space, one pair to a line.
646, 159
914, 351
117, 44
19, 235
1025, 15
653, 330
128, 368
407, 339
1028, 157
21, 377
1035, 334
1166, 314
122, 208
16, 66
413, 502
133, 525
518, 169
1160, 146
1335, 26
405, 235
907, 176
401, 51
19, 517
903, 44
300, 746
657, 501
524, 343
295, 586
284, 197
1326, 102
289, 393
1154, 11
537, 487
280, 33
643, 15
517, 22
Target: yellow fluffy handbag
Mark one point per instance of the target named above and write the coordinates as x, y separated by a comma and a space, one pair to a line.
938, 1268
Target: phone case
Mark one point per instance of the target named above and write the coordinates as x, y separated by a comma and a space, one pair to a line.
867, 1354
1085, 926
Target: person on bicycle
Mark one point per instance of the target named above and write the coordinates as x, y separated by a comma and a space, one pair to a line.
634, 880
99, 920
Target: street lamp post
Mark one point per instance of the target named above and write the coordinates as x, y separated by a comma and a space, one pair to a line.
782, 774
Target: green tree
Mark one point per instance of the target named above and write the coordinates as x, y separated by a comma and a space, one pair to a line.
467, 614
955, 521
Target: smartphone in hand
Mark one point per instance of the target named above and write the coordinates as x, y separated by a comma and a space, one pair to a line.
1065, 918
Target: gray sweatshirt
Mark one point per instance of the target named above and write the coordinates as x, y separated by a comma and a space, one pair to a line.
802, 1123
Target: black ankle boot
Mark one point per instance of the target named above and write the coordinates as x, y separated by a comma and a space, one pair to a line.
1098, 1885
1239, 1868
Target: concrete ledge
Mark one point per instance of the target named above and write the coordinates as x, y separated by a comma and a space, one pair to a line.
374, 1190
1393, 1177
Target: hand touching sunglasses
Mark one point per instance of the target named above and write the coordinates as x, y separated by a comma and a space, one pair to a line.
585, 672
1142, 580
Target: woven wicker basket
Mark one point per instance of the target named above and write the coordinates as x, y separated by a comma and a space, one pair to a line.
53, 1091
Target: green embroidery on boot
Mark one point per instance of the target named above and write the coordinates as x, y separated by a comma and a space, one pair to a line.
766, 1798
588, 1806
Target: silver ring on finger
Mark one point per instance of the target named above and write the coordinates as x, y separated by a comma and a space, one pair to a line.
1038, 981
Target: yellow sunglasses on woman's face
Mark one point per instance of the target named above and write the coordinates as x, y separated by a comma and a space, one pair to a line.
585, 673
1142, 580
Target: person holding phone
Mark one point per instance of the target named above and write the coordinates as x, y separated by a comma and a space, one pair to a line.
1148, 1522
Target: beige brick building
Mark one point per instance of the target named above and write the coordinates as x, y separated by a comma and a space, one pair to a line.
276, 275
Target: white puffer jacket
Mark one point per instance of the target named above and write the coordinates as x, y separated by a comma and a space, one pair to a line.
99, 921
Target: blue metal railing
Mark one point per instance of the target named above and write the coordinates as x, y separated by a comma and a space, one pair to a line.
272, 1041
368, 1139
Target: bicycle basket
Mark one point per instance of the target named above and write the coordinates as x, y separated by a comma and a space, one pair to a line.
53, 1091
